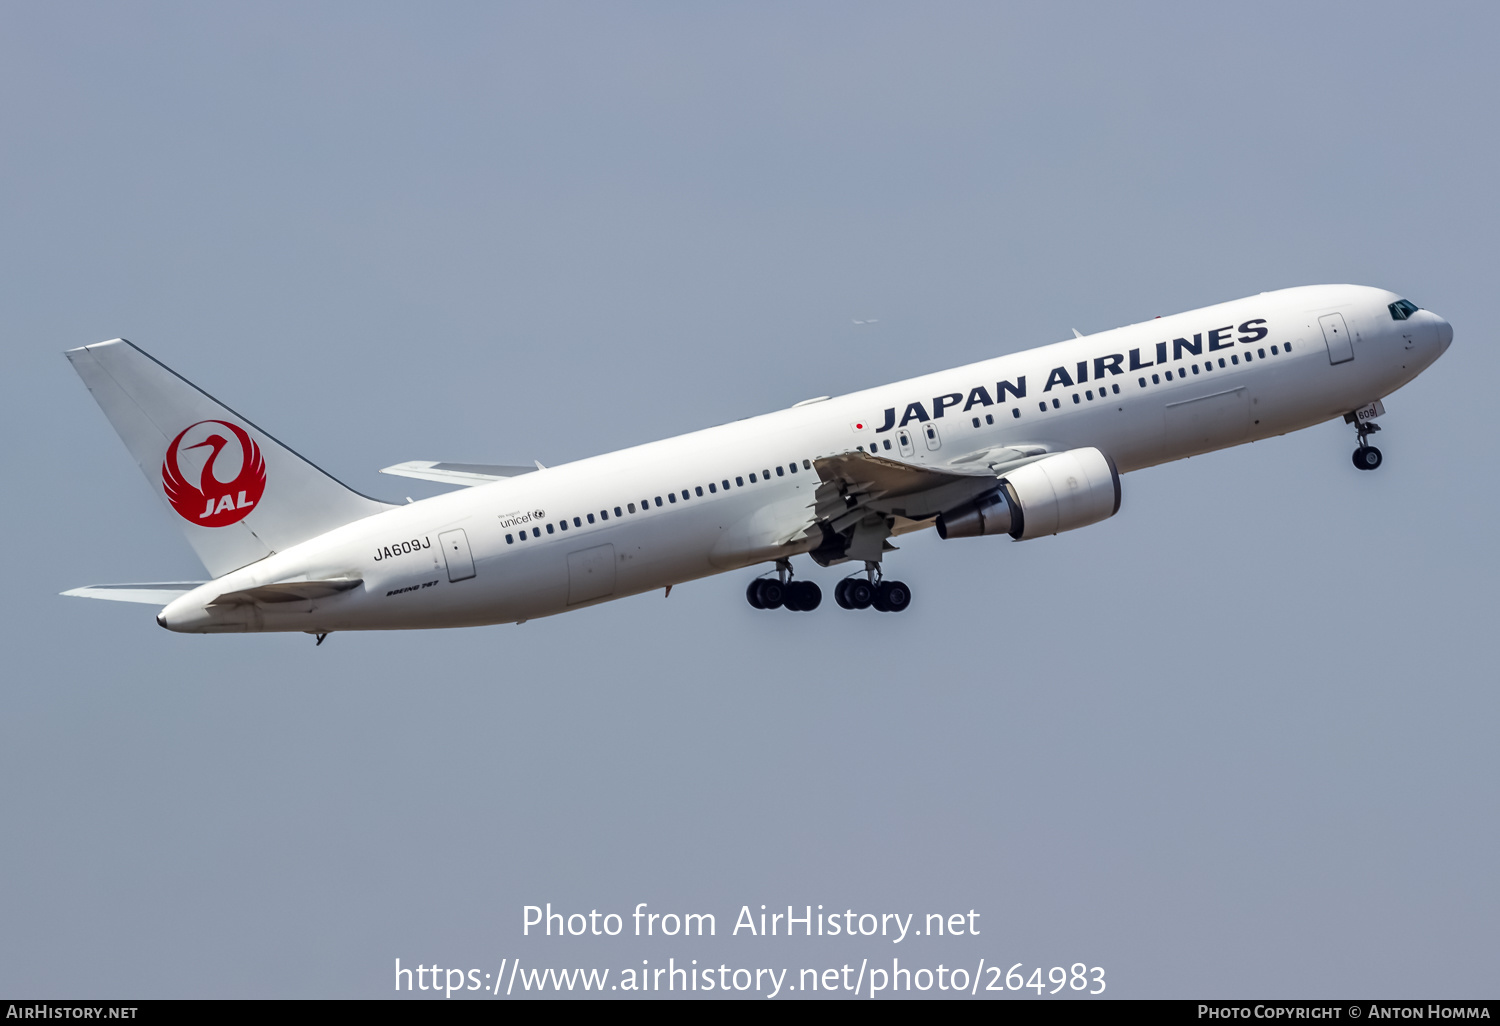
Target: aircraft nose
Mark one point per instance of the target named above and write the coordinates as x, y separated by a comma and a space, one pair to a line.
1444, 334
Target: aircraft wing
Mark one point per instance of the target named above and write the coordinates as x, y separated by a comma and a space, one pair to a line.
861, 480
466, 474
159, 594
863, 499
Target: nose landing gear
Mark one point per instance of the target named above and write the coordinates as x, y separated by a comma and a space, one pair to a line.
1366, 457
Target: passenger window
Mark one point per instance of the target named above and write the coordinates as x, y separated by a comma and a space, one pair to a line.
738, 480
1089, 394
1142, 381
1195, 368
989, 418
1248, 357
1156, 379
1076, 400
1287, 346
1056, 405
1234, 359
766, 474
780, 472
579, 523
1116, 388
563, 524
807, 464
1169, 375
1274, 352
591, 518
1015, 411
510, 539
617, 512
686, 495
549, 529
658, 500
712, 488
1261, 353
671, 496
604, 514
976, 421
726, 485
752, 477
887, 445
1221, 361
536, 532
792, 466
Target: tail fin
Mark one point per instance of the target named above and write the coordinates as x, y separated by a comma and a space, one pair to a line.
237, 493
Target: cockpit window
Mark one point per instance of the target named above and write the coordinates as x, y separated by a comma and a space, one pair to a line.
1401, 309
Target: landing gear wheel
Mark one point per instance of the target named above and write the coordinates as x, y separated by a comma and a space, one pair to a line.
858, 594
771, 593
803, 596
894, 596
752, 594
841, 594
1367, 457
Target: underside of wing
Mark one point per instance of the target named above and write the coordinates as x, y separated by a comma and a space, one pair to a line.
466, 474
864, 499
159, 594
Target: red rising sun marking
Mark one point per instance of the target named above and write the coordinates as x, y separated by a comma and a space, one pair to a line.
211, 502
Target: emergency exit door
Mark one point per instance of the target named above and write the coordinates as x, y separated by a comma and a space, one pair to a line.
1336, 334
456, 551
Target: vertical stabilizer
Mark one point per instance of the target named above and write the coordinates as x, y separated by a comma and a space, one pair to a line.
237, 493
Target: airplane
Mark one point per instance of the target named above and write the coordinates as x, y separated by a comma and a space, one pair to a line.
1023, 446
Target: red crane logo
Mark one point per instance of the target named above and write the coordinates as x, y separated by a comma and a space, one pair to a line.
212, 502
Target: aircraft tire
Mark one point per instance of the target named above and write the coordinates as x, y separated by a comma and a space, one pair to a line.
809, 596
771, 594
752, 594
859, 594
841, 594
897, 596
1367, 457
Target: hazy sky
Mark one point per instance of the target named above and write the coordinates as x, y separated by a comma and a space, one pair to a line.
1237, 741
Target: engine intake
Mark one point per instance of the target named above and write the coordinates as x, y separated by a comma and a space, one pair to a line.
1059, 493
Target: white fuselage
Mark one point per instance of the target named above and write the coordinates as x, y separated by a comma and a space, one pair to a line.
1239, 371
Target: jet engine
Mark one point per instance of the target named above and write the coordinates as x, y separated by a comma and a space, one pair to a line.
1057, 493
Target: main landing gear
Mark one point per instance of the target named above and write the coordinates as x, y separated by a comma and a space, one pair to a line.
781, 592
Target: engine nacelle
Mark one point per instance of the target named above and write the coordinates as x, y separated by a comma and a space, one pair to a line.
1059, 493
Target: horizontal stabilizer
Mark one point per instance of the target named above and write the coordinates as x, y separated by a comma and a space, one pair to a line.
288, 591
152, 594
466, 474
